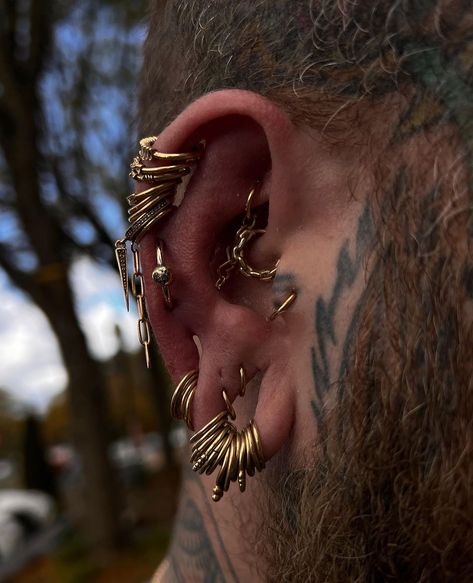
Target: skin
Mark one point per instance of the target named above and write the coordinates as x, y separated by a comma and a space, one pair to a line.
321, 231
323, 225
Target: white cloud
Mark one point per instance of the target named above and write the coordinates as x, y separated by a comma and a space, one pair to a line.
101, 307
30, 363
99, 322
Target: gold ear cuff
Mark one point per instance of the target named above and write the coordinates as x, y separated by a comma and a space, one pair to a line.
146, 208
219, 444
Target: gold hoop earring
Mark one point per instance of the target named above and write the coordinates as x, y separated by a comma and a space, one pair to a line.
220, 443
183, 396
162, 275
286, 304
236, 254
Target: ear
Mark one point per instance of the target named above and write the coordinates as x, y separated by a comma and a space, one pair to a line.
248, 140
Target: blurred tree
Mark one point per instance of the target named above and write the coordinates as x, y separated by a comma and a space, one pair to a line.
11, 421
132, 397
65, 74
130, 390
37, 473
57, 421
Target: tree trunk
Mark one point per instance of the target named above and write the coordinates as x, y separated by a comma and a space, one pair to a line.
159, 387
89, 425
50, 289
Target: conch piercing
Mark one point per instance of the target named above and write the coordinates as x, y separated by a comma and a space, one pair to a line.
236, 254
146, 208
162, 275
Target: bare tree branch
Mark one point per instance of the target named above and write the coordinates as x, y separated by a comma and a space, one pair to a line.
19, 278
41, 19
80, 206
10, 99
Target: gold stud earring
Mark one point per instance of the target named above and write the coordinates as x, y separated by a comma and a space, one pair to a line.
162, 275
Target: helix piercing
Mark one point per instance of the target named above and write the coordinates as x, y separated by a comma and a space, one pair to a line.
162, 275
146, 208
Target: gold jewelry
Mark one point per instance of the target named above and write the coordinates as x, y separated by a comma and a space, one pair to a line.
242, 455
138, 290
228, 405
162, 275
146, 209
236, 254
147, 152
286, 304
183, 397
219, 443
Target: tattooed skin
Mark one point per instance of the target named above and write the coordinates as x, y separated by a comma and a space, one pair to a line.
349, 267
197, 552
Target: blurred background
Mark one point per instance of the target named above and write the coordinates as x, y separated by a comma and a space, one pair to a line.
88, 473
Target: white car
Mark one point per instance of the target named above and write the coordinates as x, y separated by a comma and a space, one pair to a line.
22, 514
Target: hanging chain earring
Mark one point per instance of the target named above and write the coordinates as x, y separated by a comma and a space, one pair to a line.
236, 259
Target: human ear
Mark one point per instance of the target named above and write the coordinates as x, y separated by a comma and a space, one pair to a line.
249, 144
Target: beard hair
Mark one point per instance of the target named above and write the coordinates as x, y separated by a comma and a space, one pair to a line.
388, 494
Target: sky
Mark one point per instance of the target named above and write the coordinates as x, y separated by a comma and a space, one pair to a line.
30, 364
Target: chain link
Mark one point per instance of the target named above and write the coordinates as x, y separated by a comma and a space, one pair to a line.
137, 287
236, 254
